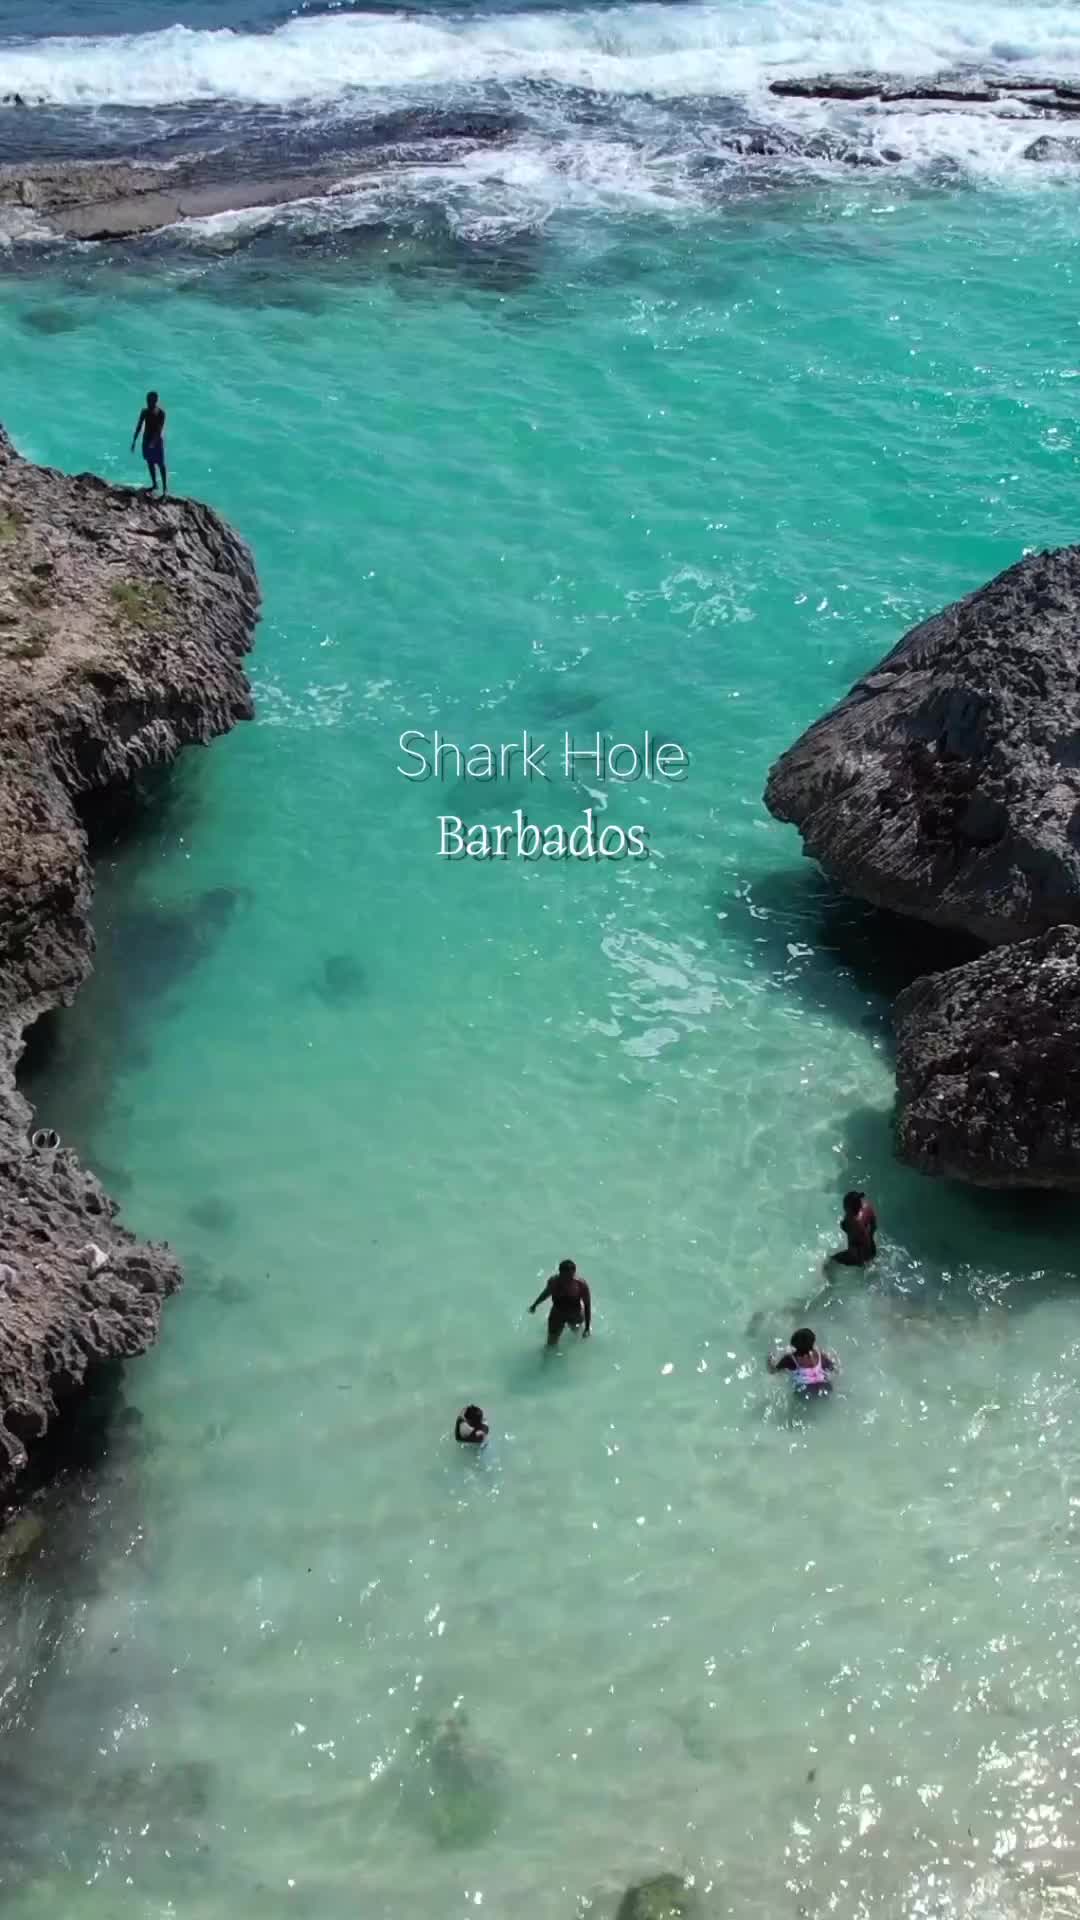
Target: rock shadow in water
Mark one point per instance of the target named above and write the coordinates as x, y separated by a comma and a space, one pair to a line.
74, 1056
563, 698
64, 1794
840, 956
454, 1786
157, 809
203, 1280
213, 1214
340, 982
50, 318
953, 1249
285, 264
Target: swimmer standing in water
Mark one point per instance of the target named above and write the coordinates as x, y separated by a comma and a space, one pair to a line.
571, 1303
470, 1427
810, 1365
859, 1225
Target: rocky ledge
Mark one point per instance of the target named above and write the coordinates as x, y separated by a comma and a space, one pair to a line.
124, 623
120, 199
1044, 95
1007, 95
988, 1067
946, 786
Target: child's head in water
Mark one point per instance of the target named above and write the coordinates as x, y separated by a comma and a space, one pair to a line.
803, 1340
475, 1416
853, 1201
567, 1269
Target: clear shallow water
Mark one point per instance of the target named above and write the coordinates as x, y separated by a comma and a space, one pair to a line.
684, 474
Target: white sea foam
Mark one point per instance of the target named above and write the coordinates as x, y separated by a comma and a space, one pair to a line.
492, 193
723, 48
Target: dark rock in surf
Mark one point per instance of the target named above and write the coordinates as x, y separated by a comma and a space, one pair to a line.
831, 86
988, 1067
958, 92
958, 89
123, 629
1057, 152
478, 126
783, 143
942, 89
946, 785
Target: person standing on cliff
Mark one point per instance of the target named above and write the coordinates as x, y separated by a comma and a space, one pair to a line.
151, 424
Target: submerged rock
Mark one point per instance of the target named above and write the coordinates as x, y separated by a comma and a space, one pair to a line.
946, 786
458, 1782
124, 623
22, 1538
667, 1897
988, 1067
341, 981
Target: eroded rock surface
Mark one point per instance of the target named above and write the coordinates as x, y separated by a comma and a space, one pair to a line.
124, 623
988, 1067
946, 786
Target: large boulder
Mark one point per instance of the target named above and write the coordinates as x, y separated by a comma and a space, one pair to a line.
946, 786
988, 1067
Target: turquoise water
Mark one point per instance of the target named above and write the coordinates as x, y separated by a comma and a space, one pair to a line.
688, 475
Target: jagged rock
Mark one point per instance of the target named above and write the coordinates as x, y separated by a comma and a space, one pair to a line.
667, 1897
958, 91
778, 142
831, 86
988, 1067
123, 628
947, 89
1057, 152
946, 786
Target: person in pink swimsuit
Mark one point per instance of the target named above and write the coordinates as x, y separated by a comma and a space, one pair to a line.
810, 1366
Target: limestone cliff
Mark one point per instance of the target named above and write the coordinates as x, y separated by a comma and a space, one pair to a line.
124, 623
